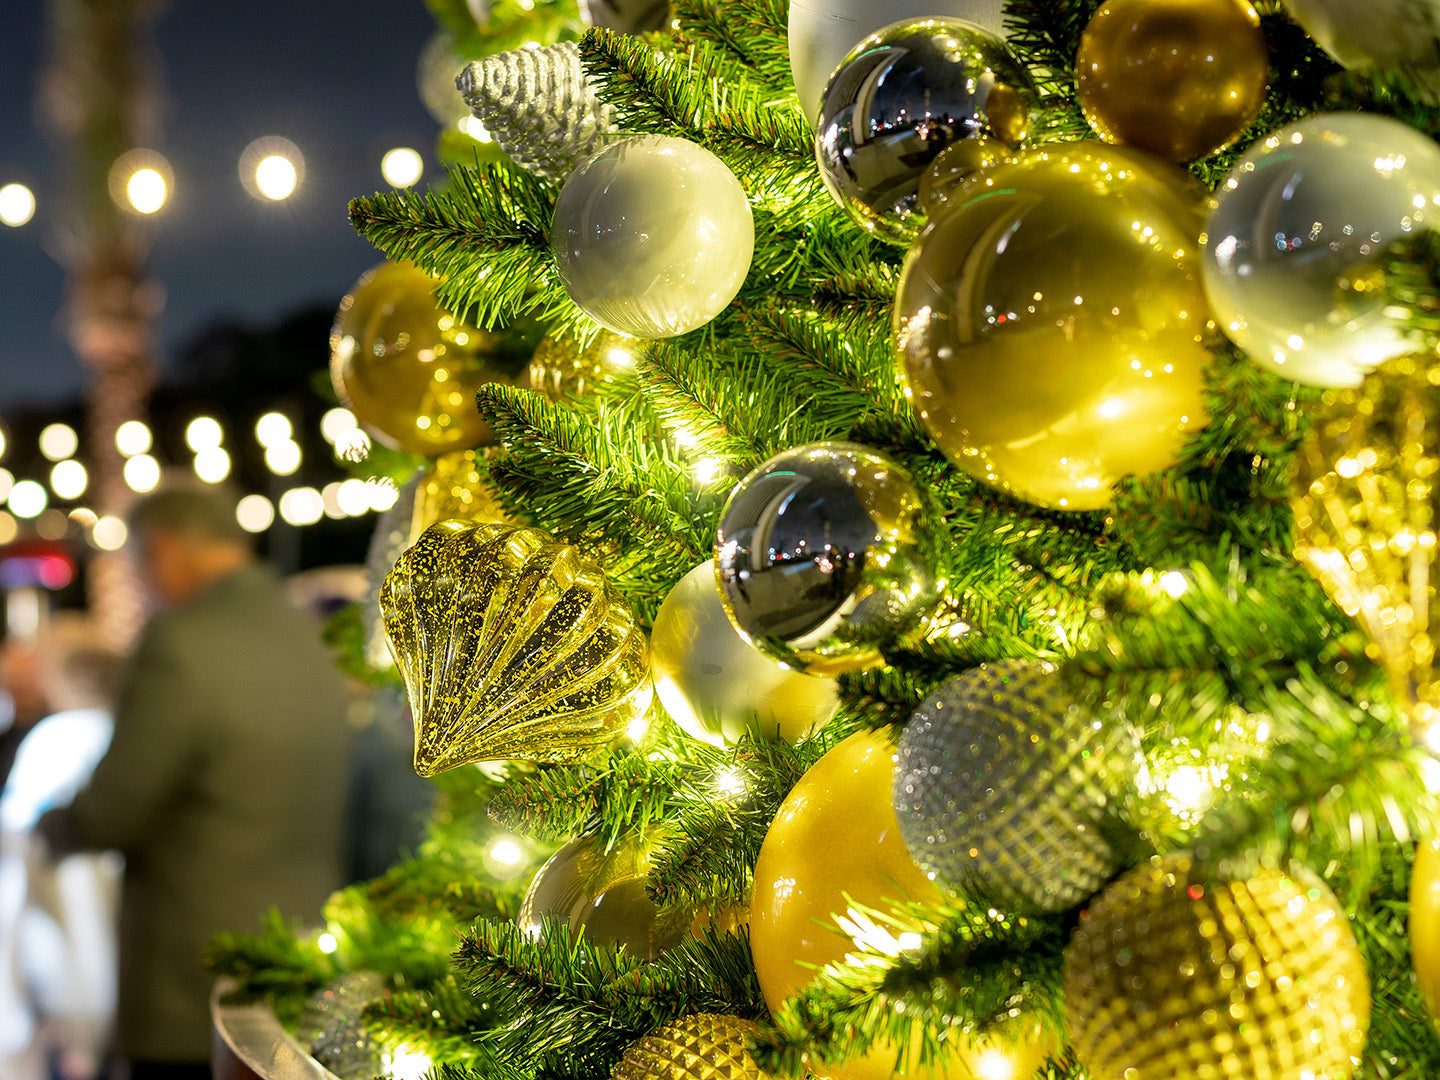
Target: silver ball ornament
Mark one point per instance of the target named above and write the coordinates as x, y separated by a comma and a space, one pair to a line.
652, 236
823, 555
1302, 207
1001, 788
898, 100
821, 32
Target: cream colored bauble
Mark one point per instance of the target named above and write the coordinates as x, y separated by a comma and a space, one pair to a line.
715, 684
823, 31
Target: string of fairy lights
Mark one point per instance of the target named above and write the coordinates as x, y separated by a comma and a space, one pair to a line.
52, 503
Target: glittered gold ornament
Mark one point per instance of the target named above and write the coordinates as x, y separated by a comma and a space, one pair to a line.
1002, 787
1051, 323
1425, 923
1366, 515
511, 645
562, 368
823, 555
1178, 972
454, 487
602, 893
900, 98
702, 1046
719, 687
406, 367
1180, 78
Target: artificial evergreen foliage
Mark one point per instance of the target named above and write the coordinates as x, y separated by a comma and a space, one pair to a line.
1178, 609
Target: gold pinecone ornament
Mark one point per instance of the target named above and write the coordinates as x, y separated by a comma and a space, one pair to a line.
703, 1046
1178, 972
511, 645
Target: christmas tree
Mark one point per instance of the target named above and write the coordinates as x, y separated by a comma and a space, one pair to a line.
953, 596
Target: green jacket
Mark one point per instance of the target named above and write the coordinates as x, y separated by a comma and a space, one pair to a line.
224, 788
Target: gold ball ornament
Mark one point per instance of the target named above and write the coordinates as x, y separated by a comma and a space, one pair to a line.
835, 843
1180, 78
1425, 923
563, 368
453, 487
511, 645
1175, 971
1366, 514
702, 1046
716, 685
1051, 323
406, 367
602, 893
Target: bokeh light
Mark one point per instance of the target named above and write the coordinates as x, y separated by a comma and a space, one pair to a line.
142, 473
212, 464
383, 494
52, 524
337, 423
331, 494
133, 437
203, 433
141, 180
58, 441
9, 527
353, 497
109, 533
7, 481
282, 458
272, 168
272, 428
402, 166
27, 499
68, 479
302, 506
17, 205
255, 513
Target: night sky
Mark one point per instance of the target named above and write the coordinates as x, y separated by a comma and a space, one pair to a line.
336, 79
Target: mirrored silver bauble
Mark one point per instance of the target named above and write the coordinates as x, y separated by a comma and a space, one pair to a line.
899, 99
823, 556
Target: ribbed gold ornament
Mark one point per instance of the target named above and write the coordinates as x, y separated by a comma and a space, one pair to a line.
1177, 972
511, 645
704, 1046
1366, 510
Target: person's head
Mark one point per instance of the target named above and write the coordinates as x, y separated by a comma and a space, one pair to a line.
185, 540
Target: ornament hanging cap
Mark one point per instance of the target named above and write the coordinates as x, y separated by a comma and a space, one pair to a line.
538, 105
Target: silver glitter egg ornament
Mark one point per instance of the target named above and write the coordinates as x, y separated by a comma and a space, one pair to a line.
903, 96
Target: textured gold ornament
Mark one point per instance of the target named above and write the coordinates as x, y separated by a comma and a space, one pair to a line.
703, 1046
511, 645
408, 368
1177, 972
1366, 512
454, 488
1425, 923
1180, 78
565, 369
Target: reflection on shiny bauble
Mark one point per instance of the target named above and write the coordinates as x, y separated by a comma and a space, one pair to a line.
1003, 785
822, 556
406, 367
1228, 976
585, 888
627, 16
1180, 78
719, 687
955, 165
1425, 923
1051, 322
1365, 34
898, 100
1301, 208
821, 32
652, 236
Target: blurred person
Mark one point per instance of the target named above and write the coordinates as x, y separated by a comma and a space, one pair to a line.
224, 785
58, 938
22, 701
